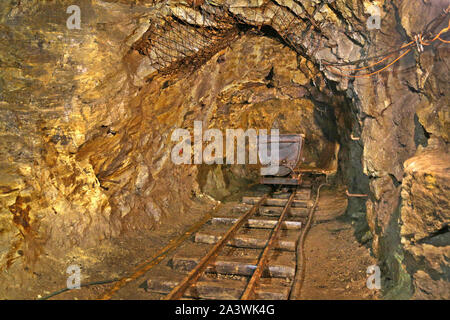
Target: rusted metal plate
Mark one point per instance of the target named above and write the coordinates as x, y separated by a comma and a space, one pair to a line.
290, 148
271, 211
246, 241
195, 274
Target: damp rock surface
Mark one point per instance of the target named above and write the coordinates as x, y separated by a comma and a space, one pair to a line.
86, 118
425, 215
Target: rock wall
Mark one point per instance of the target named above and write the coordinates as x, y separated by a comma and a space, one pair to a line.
81, 156
86, 117
424, 223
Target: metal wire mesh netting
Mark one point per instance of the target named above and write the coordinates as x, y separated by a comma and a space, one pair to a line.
186, 38
189, 34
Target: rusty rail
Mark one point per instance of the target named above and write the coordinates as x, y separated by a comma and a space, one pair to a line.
196, 273
262, 263
142, 268
300, 270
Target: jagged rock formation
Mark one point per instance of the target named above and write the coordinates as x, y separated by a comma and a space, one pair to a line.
425, 216
86, 116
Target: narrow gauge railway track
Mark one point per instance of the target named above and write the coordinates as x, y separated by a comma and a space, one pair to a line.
247, 253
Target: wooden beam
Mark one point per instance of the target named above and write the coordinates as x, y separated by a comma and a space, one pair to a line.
195, 274
262, 264
279, 202
282, 265
258, 223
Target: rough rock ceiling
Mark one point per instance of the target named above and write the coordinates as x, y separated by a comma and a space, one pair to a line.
84, 135
181, 32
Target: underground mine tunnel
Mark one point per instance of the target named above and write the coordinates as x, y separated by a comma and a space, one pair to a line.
100, 98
